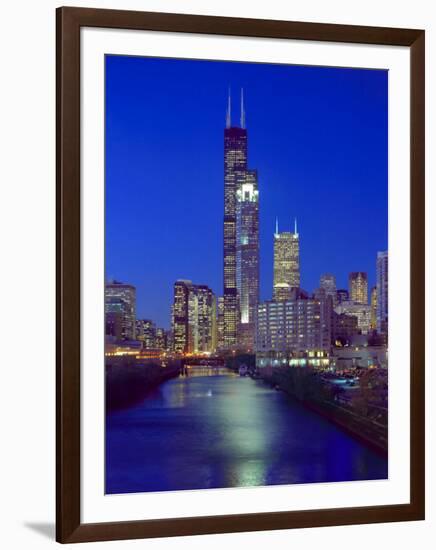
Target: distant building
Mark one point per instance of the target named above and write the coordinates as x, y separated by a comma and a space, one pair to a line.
358, 287
373, 303
344, 328
351, 357
342, 295
286, 263
361, 311
114, 319
194, 318
326, 300
120, 299
180, 321
146, 332
220, 322
382, 292
161, 339
327, 282
292, 332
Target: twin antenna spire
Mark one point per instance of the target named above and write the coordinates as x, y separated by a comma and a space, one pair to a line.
229, 110
295, 226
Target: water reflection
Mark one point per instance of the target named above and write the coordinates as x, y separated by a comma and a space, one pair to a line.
220, 430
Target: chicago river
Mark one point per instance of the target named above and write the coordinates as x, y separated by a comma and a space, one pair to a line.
214, 429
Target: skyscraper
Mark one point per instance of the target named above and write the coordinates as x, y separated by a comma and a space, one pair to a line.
235, 166
382, 292
286, 263
241, 230
180, 321
247, 256
120, 299
358, 285
194, 318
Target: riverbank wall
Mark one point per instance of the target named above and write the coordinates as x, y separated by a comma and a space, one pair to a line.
128, 382
304, 384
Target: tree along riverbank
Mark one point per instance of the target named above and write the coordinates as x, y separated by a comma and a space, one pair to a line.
128, 382
362, 413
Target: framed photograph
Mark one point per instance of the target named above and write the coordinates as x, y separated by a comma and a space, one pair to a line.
240, 300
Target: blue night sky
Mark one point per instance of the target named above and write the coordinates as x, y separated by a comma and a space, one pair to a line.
318, 137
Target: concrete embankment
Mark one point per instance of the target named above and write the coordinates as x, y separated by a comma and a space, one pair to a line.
129, 382
305, 385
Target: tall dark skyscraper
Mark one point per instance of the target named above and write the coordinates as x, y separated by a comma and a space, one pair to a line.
241, 237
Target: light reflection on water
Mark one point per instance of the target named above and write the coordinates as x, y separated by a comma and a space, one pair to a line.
208, 431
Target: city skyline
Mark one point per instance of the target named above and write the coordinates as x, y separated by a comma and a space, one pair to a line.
207, 221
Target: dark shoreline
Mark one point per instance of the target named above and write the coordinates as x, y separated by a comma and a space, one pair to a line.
361, 428
127, 383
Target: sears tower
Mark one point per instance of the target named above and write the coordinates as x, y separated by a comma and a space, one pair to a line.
241, 237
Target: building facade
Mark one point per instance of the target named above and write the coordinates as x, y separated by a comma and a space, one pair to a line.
220, 322
358, 287
344, 328
180, 316
373, 302
120, 299
247, 257
327, 282
292, 330
194, 318
382, 292
361, 311
146, 332
286, 263
342, 295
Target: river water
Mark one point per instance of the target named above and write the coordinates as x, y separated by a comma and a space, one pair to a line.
220, 430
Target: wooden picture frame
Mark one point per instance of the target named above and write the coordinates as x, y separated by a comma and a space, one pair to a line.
68, 522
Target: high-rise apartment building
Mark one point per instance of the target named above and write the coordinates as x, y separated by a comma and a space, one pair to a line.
120, 298
292, 328
286, 263
382, 292
194, 318
358, 287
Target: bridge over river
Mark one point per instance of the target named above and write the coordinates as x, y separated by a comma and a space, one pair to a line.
216, 429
